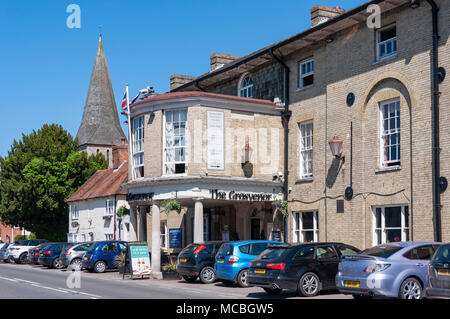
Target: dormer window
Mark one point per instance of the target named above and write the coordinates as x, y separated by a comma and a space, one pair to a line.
386, 42
246, 87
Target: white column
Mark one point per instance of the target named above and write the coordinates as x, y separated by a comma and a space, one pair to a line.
133, 224
156, 241
142, 223
198, 221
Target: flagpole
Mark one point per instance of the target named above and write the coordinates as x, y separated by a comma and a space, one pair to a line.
130, 137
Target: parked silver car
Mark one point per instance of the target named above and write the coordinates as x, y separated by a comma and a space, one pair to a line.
439, 274
398, 270
73, 256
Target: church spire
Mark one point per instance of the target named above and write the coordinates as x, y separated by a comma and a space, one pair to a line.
100, 125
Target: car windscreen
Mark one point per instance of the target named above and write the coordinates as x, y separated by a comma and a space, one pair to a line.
189, 249
93, 247
383, 251
442, 254
225, 250
272, 253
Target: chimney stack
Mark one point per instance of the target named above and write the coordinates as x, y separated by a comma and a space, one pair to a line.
120, 154
218, 60
177, 80
320, 14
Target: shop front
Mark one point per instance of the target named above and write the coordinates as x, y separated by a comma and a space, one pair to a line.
172, 213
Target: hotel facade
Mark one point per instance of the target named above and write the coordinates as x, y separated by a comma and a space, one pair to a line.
343, 125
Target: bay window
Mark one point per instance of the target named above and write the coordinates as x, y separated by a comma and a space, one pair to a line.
175, 142
138, 151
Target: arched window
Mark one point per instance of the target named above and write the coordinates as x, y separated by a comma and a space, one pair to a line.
246, 87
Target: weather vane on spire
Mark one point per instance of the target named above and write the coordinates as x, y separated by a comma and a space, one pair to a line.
100, 27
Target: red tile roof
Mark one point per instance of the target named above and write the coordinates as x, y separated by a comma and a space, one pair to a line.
102, 184
178, 95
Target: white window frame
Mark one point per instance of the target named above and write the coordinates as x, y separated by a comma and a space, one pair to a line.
109, 236
74, 213
83, 237
384, 163
301, 75
247, 90
138, 146
392, 41
75, 238
404, 230
163, 224
299, 231
109, 207
306, 149
165, 148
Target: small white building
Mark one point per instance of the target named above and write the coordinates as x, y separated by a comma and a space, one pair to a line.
95, 205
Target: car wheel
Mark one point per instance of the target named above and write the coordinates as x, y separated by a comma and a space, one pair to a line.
309, 285
23, 259
242, 278
100, 266
207, 275
189, 278
411, 289
76, 264
57, 264
272, 291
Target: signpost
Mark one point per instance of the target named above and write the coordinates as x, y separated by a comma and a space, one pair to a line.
137, 261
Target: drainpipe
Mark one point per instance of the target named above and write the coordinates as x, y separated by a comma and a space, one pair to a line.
435, 125
286, 115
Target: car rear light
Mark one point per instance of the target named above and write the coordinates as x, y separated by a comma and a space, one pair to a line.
279, 266
3, 251
232, 260
376, 267
68, 252
199, 249
36, 254
251, 265
47, 252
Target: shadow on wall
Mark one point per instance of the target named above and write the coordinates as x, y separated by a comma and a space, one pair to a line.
333, 172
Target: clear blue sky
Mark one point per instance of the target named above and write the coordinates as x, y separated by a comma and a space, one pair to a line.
45, 67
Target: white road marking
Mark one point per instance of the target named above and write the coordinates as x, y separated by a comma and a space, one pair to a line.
26, 281
50, 288
13, 280
81, 293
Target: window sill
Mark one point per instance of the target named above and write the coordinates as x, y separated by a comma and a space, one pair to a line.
304, 88
378, 61
304, 180
388, 169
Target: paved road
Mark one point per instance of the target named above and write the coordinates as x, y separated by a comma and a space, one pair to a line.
35, 282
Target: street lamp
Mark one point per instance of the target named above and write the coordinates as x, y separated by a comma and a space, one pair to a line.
336, 148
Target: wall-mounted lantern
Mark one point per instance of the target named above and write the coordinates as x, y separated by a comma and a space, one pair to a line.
336, 148
247, 153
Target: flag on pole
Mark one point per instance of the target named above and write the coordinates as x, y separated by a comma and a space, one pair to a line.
125, 100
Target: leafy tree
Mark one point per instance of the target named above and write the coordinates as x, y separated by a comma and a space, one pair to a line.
39, 174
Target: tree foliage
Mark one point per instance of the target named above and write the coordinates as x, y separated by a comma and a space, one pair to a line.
38, 175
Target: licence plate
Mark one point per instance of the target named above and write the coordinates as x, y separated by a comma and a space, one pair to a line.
260, 271
220, 261
444, 272
183, 260
354, 284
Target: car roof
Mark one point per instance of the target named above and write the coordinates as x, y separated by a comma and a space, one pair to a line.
244, 242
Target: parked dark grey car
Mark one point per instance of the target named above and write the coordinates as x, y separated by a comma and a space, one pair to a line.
439, 274
73, 256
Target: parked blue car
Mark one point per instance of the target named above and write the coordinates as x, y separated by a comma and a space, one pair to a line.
398, 270
233, 260
4, 253
49, 255
104, 255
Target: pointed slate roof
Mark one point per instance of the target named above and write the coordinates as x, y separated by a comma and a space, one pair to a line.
100, 124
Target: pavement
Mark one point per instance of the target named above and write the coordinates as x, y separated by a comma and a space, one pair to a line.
37, 282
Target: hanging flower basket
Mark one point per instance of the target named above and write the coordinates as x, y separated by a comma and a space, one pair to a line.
170, 205
282, 205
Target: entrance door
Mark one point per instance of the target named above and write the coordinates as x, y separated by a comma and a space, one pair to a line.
255, 228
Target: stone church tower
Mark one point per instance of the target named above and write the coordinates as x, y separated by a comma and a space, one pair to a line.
100, 128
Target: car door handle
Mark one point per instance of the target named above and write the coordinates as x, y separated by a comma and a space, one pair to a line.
420, 265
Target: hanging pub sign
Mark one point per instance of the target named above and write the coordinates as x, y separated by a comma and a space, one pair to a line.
175, 238
138, 259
